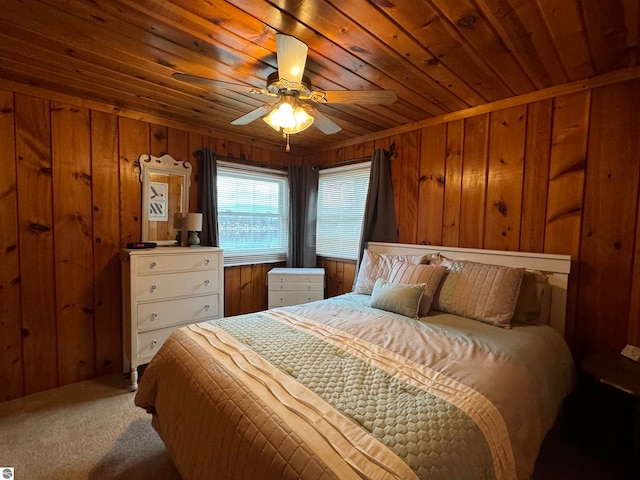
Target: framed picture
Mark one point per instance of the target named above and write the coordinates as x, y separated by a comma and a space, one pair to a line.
158, 199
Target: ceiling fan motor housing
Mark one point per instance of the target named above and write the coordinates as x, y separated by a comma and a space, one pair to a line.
278, 85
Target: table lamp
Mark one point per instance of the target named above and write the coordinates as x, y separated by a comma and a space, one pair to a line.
194, 225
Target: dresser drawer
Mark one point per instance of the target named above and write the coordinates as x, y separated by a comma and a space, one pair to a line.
300, 287
295, 278
284, 298
154, 264
157, 287
150, 342
176, 312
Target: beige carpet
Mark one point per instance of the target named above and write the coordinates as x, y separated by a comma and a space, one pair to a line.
88, 430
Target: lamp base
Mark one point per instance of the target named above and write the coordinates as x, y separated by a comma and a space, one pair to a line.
194, 239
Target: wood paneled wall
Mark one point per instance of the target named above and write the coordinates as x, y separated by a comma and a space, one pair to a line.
69, 200
559, 175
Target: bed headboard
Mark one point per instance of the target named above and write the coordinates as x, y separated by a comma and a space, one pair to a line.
556, 267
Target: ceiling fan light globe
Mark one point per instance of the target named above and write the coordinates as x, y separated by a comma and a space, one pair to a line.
284, 117
269, 120
303, 121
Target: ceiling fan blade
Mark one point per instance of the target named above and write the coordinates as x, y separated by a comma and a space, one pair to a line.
292, 57
324, 124
252, 115
377, 97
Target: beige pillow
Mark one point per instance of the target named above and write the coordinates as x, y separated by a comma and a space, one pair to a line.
397, 298
488, 293
379, 265
430, 275
529, 304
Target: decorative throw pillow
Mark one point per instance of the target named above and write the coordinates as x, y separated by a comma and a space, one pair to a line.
414, 259
438, 259
379, 265
430, 275
479, 291
397, 298
529, 305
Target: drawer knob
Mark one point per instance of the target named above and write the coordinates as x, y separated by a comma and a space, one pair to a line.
153, 265
154, 315
153, 343
206, 261
206, 283
207, 306
153, 288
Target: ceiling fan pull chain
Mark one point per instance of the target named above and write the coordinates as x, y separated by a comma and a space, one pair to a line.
288, 147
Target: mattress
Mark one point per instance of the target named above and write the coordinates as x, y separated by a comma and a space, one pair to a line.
336, 389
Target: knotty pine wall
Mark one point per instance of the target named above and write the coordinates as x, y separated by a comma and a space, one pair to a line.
559, 175
69, 200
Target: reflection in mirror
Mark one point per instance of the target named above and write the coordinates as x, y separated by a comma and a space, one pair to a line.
165, 198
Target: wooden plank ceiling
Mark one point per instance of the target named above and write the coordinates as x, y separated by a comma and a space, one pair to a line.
439, 56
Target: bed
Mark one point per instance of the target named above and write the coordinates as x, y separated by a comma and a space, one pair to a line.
373, 384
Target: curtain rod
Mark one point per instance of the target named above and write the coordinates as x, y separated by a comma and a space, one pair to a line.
246, 161
339, 163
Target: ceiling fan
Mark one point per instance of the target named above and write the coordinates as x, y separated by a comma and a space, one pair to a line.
290, 96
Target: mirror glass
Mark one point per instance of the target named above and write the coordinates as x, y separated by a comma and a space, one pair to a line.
165, 198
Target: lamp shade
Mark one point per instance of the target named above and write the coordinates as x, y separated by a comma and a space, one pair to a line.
194, 222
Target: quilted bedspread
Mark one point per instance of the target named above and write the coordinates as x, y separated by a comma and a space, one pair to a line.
334, 389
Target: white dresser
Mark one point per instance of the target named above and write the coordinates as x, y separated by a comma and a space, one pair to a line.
293, 286
165, 288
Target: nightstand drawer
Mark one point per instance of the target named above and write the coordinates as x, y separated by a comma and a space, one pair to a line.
176, 312
300, 287
284, 298
171, 285
153, 264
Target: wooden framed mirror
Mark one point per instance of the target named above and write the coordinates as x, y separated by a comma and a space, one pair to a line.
165, 198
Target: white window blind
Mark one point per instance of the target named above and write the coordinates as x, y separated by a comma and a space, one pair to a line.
253, 218
342, 193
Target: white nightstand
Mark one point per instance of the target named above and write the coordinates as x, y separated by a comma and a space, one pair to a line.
293, 286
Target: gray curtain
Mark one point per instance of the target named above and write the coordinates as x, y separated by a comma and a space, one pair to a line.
379, 222
303, 215
208, 199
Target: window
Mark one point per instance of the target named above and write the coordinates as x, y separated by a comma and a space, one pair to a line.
252, 214
342, 193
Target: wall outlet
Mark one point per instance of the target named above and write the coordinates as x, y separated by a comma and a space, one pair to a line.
631, 352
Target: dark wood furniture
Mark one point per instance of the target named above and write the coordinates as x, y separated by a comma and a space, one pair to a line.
615, 370
617, 405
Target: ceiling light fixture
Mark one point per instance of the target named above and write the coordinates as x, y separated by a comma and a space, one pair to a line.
289, 117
